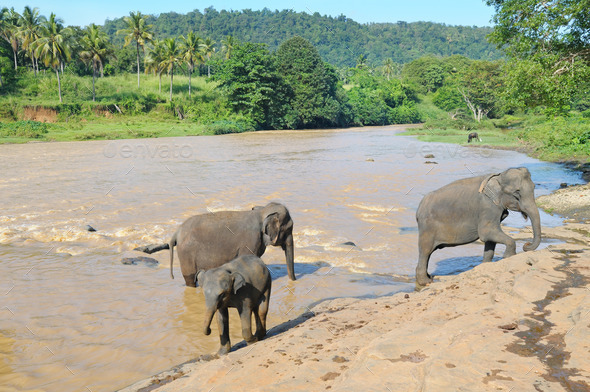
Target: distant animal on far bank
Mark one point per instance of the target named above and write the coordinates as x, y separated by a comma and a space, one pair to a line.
473, 208
244, 283
473, 136
209, 240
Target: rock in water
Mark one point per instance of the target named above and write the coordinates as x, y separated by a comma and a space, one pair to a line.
89, 228
148, 261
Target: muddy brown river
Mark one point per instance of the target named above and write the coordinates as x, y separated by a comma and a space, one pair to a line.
73, 317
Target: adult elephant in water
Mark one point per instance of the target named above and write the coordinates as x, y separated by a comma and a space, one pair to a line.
471, 209
210, 240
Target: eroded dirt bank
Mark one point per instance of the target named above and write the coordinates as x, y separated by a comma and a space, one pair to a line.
520, 324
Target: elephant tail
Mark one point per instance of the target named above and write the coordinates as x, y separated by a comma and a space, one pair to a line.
172, 244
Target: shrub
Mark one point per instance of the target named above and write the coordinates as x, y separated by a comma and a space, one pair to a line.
28, 129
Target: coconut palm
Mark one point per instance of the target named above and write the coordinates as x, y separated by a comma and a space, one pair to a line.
190, 51
53, 46
388, 68
153, 60
30, 26
9, 23
228, 45
96, 48
208, 50
139, 31
170, 59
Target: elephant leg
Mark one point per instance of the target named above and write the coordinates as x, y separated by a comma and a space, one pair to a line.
426, 247
246, 319
190, 280
260, 315
498, 236
223, 325
488, 252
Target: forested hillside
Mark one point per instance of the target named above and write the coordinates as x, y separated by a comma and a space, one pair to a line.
340, 41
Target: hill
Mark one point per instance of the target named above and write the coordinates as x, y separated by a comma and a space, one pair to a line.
339, 40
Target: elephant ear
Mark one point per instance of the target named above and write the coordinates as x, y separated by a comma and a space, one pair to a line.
272, 227
239, 281
491, 187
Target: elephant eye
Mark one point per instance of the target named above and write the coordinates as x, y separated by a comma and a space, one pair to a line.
517, 195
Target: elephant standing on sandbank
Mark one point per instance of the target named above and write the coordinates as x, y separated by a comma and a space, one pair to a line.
473, 208
209, 240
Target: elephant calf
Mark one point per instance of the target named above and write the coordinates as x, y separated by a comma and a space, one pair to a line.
470, 209
243, 283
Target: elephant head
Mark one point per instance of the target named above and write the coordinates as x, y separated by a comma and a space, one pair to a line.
277, 230
218, 287
514, 190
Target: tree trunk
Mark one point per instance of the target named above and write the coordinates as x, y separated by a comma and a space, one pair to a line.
160, 83
171, 79
15, 64
208, 71
93, 77
1, 83
58, 84
34, 66
137, 64
190, 71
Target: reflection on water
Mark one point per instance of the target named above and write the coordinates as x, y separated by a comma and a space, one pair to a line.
74, 316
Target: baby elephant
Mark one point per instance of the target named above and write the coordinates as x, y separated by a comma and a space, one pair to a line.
243, 283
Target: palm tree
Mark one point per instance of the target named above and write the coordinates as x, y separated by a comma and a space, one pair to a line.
171, 58
9, 23
153, 60
208, 50
191, 53
228, 45
53, 46
361, 61
30, 25
388, 68
137, 30
96, 48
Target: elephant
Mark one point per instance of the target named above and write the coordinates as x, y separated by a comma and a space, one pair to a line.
209, 240
472, 208
244, 283
473, 136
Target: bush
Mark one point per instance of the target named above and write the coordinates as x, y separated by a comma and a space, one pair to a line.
223, 127
28, 129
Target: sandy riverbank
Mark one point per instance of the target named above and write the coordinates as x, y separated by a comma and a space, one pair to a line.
520, 324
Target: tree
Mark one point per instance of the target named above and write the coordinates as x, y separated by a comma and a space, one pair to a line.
427, 71
480, 86
96, 48
154, 60
191, 53
551, 37
252, 85
53, 46
30, 26
9, 24
171, 57
139, 31
228, 46
312, 83
388, 68
208, 50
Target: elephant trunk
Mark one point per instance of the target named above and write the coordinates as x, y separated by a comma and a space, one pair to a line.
208, 318
289, 256
533, 212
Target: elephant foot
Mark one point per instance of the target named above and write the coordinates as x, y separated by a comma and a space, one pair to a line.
423, 280
508, 254
252, 340
223, 350
260, 335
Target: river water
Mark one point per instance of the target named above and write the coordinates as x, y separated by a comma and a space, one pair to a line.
74, 317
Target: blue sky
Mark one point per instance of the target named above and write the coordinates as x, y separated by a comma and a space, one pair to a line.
457, 12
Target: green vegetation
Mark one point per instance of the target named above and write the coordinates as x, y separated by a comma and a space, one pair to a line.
248, 70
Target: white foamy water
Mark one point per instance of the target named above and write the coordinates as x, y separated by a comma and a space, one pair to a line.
74, 317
